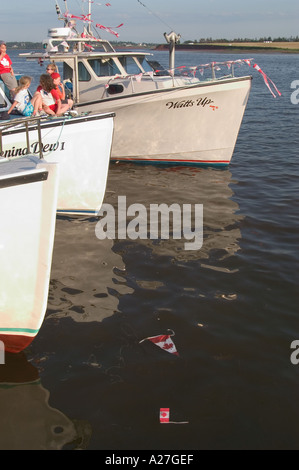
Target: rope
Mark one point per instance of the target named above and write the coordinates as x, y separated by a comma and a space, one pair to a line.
152, 13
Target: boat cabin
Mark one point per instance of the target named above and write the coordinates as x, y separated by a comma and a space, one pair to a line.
91, 75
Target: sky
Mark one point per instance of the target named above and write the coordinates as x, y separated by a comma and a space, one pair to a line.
148, 20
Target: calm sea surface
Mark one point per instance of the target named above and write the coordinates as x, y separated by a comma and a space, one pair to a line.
87, 383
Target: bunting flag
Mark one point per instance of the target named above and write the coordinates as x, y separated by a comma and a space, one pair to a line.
88, 46
85, 18
109, 29
267, 80
164, 342
182, 70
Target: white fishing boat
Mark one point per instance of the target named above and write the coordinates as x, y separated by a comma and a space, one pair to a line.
28, 203
161, 116
81, 145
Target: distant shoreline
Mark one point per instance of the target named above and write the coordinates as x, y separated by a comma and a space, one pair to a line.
268, 48
286, 47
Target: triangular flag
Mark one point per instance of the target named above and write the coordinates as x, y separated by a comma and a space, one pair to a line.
164, 342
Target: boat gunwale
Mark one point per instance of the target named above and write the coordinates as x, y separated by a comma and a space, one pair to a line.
165, 90
50, 122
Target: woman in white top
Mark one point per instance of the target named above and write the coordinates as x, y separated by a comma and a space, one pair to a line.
22, 99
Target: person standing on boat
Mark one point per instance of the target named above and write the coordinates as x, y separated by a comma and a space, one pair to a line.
61, 90
6, 71
22, 99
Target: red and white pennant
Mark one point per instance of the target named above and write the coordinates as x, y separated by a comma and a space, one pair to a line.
267, 80
164, 342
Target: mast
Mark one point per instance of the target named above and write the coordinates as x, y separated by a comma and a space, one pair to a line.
89, 16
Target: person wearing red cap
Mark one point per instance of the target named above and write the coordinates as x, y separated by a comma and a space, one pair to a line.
6, 71
61, 90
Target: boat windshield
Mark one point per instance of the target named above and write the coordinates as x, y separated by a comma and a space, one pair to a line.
104, 67
145, 64
130, 65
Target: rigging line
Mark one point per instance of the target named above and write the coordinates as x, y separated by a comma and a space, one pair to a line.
153, 13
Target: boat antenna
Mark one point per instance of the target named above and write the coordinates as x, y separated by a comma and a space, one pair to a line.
89, 16
58, 11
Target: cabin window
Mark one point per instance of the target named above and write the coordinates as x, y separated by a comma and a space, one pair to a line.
67, 72
130, 65
115, 88
84, 75
144, 64
104, 67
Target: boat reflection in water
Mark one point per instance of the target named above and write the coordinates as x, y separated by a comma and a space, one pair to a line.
28, 422
148, 185
89, 275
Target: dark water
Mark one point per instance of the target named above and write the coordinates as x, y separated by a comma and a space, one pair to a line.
233, 306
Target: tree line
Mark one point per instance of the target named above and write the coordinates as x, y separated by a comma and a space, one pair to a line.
262, 39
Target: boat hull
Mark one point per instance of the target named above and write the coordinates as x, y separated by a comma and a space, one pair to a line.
197, 124
28, 203
82, 147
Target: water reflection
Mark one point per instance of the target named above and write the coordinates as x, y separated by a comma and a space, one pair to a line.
87, 276
28, 422
148, 185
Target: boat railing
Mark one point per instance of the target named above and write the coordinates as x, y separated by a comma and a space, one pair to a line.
204, 72
29, 123
209, 71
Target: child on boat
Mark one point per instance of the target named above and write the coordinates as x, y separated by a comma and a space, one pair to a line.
50, 97
61, 90
22, 99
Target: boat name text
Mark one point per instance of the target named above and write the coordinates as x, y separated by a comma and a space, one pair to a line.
34, 148
200, 102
